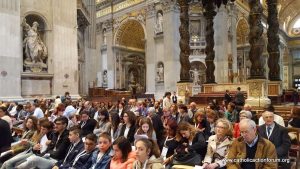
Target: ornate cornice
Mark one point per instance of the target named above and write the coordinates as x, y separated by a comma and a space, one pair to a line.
170, 5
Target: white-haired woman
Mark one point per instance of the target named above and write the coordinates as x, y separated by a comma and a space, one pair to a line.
218, 145
244, 114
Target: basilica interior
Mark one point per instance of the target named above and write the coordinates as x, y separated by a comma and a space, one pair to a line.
115, 52
127, 45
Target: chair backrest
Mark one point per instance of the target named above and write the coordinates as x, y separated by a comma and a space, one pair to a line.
296, 131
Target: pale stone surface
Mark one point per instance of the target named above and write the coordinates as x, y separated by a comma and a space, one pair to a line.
36, 87
257, 92
10, 50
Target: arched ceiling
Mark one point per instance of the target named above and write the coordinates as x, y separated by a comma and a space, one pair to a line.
289, 11
131, 34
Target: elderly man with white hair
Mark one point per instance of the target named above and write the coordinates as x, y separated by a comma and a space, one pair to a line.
251, 151
278, 135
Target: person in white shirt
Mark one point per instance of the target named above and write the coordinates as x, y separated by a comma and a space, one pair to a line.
278, 119
37, 111
167, 100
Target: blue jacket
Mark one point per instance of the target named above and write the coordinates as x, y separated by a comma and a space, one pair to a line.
69, 160
102, 164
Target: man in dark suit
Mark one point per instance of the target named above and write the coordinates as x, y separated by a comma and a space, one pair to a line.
86, 124
278, 135
227, 97
174, 98
239, 98
5, 134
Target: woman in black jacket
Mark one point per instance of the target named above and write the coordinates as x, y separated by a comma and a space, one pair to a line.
128, 128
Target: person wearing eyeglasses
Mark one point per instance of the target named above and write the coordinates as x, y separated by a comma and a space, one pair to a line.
250, 150
100, 158
56, 148
218, 145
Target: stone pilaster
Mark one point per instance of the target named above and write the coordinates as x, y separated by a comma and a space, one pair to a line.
221, 45
10, 50
171, 49
150, 47
65, 53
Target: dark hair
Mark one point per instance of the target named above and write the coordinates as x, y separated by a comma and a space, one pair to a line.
295, 112
115, 120
19, 107
62, 119
238, 88
84, 112
124, 145
34, 122
92, 137
173, 126
60, 107
105, 135
150, 145
75, 130
3, 108
167, 93
269, 108
182, 106
104, 113
131, 117
47, 124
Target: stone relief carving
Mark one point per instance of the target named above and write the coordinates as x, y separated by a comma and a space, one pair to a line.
160, 72
35, 50
159, 23
104, 78
255, 89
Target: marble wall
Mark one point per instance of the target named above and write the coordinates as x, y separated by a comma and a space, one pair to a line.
10, 50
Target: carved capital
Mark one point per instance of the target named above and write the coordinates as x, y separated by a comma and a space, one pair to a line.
170, 5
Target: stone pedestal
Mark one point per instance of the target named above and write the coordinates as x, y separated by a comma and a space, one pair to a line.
36, 85
196, 90
257, 93
182, 88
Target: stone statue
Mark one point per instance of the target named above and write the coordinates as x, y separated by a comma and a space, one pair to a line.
104, 78
195, 74
35, 50
160, 73
104, 37
131, 78
159, 23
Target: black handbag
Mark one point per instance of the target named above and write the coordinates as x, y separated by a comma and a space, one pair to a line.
190, 158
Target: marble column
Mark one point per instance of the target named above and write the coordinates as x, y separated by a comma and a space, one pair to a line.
209, 14
65, 53
221, 45
273, 41
233, 16
171, 39
150, 47
256, 41
258, 86
110, 56
10, 50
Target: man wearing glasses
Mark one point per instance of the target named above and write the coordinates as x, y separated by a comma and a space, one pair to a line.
56, 150
251, 151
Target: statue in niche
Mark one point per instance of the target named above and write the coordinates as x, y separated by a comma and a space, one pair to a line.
131, 78
104, 36
195, 74
160, 73
104, 77
35, 50
159, 23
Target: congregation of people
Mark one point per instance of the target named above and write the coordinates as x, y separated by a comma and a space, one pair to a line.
66, 133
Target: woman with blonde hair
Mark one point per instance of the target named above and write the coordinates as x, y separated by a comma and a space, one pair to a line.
200, 120
218, 145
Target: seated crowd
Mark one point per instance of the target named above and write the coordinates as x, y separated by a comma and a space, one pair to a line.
149, 134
